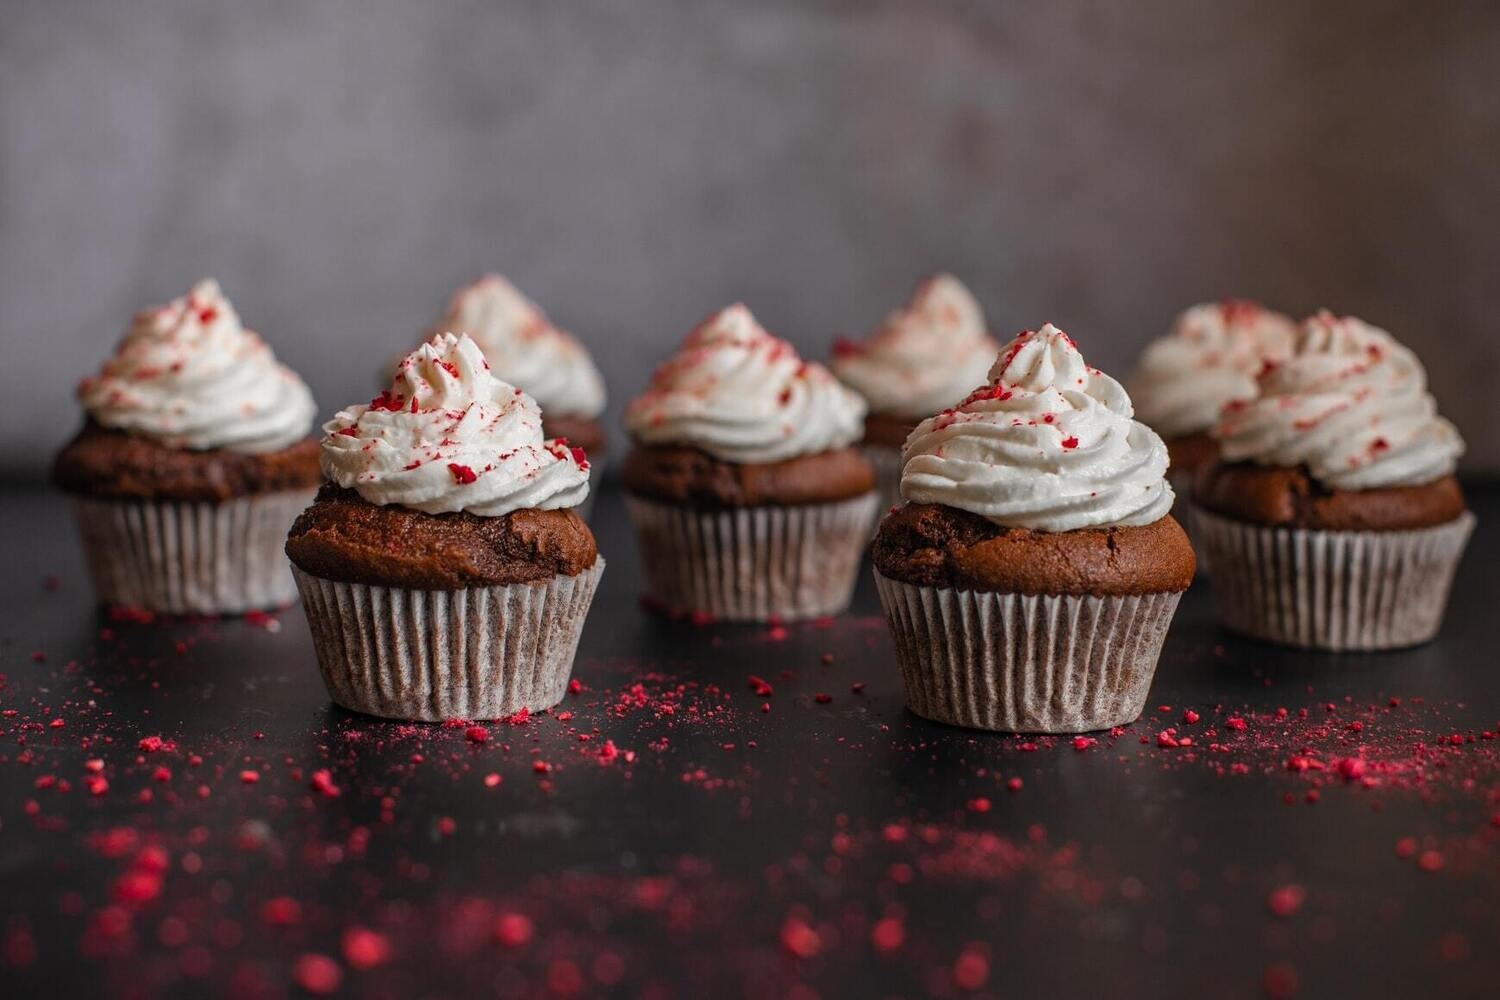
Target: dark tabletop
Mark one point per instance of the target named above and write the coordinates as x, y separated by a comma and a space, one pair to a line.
183, 812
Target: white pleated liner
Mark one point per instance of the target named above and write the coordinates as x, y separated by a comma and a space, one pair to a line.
1025, 663
752, 563
887, 463
434, 655
191, 557
1333, 590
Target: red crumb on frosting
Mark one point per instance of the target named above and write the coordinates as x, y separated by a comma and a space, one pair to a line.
462, 474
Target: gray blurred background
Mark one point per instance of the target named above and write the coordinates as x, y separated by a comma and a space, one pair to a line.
341, 165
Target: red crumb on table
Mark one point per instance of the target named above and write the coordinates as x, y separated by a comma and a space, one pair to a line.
318, 974
1286, 900
365, 949
799, 939
513, 929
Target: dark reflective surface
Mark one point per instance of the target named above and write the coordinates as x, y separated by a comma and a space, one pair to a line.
835, 847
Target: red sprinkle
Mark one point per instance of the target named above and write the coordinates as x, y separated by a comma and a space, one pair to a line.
888, 934
365, 949
318, 974
462, 473
800, 939
972, 970
322, 781
1286, 900
513, 929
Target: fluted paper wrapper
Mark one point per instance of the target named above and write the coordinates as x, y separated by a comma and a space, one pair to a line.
887, 463
191, 557
434, 655
752, 563
1025, 663
1334, 590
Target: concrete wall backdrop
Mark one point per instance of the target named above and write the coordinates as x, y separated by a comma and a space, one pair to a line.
339, 165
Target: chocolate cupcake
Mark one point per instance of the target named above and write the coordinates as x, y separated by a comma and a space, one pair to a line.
1031, 576
1333, 520
1212, 356
444, 570
748, 500
925, 357
193, 461
529, 351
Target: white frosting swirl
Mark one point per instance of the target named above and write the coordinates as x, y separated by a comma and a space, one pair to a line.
448, 436
743, 395
188, 375
525, 348
1212, 356
925, 356
1352, 405
1048, 444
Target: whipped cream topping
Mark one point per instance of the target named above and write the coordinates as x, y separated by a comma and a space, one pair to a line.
926, 356
743, 395
1049, 444
188, 375
1212, 356
449, 436
1351, 404
526, 348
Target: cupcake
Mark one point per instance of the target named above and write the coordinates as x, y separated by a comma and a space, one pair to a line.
443, 568
925, 357
193, 460
1333, 519
530, 352
1212, 356
1031, 575
748, 500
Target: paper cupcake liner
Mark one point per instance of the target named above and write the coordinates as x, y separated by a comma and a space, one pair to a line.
752, 563
1025, 663
191, 557
887, 463
1334, 590
433, 655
